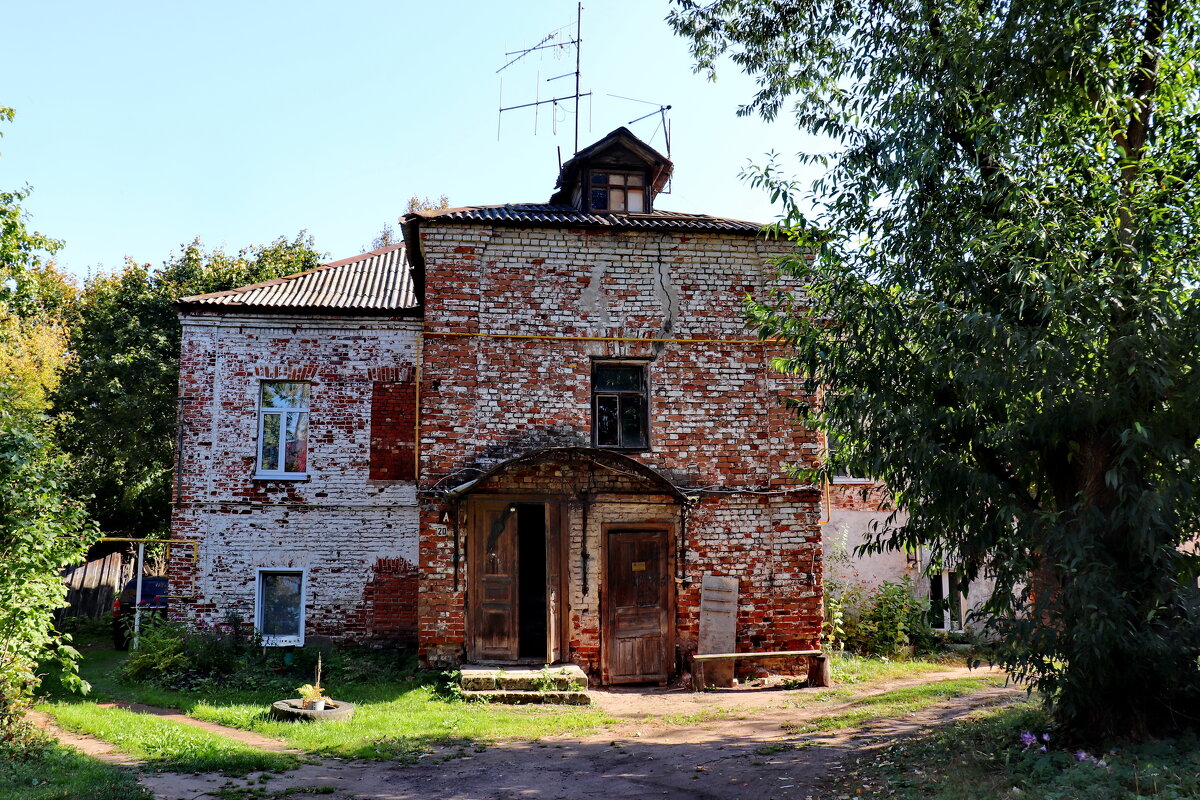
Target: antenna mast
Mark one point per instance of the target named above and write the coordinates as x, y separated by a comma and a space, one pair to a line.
546, 43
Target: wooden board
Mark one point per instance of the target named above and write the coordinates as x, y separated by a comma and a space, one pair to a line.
718, 626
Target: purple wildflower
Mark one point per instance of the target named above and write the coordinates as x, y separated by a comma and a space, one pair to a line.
1045, 737
1084, 756
1042, 749
1028, 739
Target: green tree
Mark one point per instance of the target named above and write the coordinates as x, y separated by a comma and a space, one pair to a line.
117, 399
1002, 292
41, 529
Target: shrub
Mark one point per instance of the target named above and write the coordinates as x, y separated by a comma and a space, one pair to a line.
888, 620
172, 654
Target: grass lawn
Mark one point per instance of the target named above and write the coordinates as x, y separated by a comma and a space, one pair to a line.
397, 719
167, 745
60, 773
897, 703
984, 758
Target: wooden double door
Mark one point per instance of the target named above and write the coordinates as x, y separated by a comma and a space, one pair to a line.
515, 595
516, 592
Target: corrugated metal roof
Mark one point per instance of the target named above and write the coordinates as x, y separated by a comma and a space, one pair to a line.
535, 214
377, 281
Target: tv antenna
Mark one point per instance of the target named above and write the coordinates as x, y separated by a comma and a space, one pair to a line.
661, 112
555, 39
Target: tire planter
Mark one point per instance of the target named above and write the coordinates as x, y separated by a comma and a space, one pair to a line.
290, 711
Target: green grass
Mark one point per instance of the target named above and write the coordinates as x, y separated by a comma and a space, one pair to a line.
59, 773
983, 758
851, 669
897, 703
166, 745
396, 719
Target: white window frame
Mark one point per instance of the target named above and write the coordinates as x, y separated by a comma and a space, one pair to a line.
279, 641
846, 479
276, 474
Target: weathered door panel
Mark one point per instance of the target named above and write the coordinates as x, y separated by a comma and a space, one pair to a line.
493, 597
555, 612
638, 625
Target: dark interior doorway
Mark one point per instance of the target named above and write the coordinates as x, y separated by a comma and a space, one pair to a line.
531, 580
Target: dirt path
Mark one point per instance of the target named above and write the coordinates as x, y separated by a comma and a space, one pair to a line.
737, 748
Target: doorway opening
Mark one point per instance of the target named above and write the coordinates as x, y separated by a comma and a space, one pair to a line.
531, 581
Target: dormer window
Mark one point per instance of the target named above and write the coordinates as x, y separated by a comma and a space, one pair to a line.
618, 191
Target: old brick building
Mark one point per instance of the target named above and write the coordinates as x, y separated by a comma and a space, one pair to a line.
525, 434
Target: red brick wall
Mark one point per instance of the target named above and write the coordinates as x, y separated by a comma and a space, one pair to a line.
393, 428
515, 319
336, 523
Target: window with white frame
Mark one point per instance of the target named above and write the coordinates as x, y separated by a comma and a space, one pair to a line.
283, 429
279, 607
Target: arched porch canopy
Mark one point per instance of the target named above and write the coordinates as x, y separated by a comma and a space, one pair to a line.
609, 460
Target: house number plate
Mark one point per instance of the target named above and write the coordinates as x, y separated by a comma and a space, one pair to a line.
639, 566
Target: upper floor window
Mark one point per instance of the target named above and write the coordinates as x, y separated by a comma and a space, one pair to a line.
620, 403
283, 428
618, 191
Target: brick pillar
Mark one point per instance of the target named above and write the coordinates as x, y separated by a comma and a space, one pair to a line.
441, 611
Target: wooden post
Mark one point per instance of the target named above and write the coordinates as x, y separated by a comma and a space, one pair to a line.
820, 673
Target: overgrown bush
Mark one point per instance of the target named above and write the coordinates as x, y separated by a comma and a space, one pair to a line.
171, 652
208, 658
887, 620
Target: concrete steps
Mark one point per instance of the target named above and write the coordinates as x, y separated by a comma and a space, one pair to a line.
564, 684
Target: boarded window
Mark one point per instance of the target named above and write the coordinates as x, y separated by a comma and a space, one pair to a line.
393, 430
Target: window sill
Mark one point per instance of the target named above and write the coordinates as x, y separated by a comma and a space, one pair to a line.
279, 476
846, 481
283, 641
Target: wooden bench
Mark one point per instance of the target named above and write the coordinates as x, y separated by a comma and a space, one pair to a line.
818, 664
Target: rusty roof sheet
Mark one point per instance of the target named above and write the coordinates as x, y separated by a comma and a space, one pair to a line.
374, 282
552, 215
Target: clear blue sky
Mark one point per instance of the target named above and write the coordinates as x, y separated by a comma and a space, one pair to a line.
142, 125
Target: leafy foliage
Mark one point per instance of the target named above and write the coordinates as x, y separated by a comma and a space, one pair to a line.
41, 531
117, 398
884, 620
1001, 287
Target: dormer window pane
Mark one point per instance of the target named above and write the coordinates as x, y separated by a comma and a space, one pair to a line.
608, 192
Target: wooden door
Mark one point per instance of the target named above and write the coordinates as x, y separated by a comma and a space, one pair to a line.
554, 594
637, 631
493, 595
